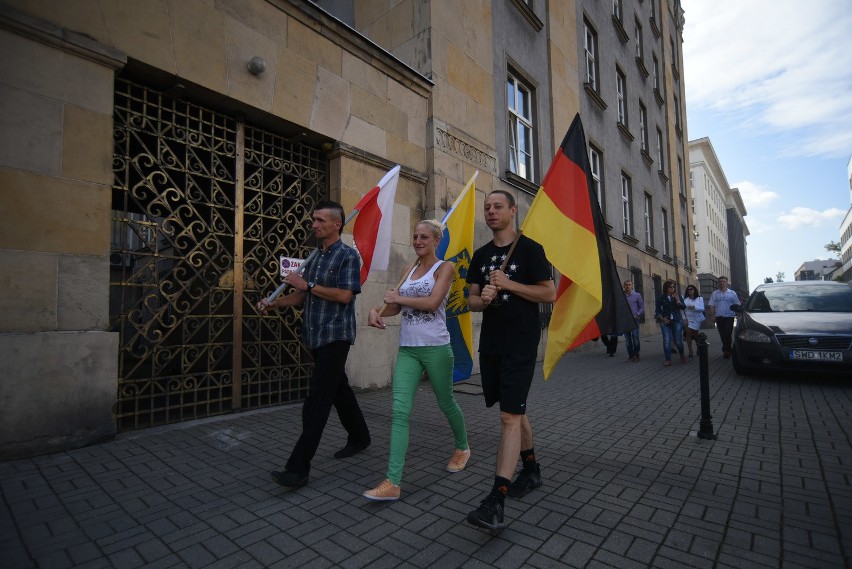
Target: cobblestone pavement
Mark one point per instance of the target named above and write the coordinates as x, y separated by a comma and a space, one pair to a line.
626, 482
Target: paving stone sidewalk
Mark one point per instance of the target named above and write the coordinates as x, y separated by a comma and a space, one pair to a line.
626, 483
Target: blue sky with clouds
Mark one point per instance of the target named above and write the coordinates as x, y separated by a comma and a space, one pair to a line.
770, 83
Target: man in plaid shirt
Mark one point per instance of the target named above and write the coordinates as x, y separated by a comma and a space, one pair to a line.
327, 287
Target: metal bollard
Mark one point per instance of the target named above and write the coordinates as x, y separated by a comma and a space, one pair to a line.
705, 430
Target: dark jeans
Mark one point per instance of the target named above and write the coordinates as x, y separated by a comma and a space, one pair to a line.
632, 340
725, 326
328, 386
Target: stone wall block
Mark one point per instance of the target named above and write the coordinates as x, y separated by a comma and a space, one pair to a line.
30, 131
83, 293
198, 32
295, 86
314, 47
361, 134
242, 44
331, 106
28, 291
87, 145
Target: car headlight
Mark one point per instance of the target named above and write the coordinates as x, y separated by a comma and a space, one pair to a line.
754, 336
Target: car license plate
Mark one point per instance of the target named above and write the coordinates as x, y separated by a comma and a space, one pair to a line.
816, 355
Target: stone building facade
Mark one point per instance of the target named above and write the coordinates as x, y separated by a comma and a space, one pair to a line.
156, 156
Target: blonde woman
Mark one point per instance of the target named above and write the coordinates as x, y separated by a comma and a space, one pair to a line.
694, 316
424, 344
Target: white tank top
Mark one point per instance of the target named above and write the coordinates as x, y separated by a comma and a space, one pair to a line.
421, 328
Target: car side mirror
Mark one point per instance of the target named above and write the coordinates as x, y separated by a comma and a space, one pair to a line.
737, 307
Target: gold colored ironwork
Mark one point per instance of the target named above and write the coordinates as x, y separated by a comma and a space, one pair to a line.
203, 205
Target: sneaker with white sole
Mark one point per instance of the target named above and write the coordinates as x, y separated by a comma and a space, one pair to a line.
488, 515
384, 492
459, 460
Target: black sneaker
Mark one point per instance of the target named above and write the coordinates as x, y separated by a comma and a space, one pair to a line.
488, 515
290, 479
527, 480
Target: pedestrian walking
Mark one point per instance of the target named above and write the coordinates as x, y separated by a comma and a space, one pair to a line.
637, 308
328, 288
509, 276
720, 307
424, 345
669, 315
694, 314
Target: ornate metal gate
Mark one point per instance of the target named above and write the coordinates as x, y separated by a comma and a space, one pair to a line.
202, 207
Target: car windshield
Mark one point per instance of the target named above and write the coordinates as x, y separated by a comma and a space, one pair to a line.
801, 298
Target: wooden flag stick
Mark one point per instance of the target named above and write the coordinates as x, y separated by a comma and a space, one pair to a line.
511, 250
399, 284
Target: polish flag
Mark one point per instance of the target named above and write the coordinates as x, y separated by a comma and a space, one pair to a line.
372, 231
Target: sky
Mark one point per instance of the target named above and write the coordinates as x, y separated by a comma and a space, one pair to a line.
769, 82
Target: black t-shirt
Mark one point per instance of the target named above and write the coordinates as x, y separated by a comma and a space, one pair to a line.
510, 325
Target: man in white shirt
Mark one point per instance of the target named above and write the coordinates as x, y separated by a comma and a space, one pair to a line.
720, 306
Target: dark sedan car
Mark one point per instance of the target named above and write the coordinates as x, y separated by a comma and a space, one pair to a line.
799, 325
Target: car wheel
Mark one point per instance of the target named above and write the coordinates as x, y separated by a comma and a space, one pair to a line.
739, 367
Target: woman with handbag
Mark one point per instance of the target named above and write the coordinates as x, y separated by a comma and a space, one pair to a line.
668, 314
694, 313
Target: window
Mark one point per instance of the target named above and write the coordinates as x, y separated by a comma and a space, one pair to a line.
621, 92
660, 149
626, 204
590, 44
665, 221
638, 36
692, 185
680, 178
655, 72
677, 112
596, 166
643, 127
685, 245
649, 226
519, 98
616, 9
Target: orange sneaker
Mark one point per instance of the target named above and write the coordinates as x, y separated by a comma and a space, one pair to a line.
386, 491
458, 460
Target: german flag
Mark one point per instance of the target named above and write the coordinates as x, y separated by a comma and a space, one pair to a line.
566, 220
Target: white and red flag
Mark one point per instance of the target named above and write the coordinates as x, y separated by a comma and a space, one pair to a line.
372, 231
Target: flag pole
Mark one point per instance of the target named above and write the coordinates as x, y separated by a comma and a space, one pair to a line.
460, 196
283, 286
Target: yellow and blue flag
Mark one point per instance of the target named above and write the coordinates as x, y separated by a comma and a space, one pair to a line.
456, 246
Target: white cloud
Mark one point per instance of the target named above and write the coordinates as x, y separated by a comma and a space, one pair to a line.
807, 217
782, 64
755, 195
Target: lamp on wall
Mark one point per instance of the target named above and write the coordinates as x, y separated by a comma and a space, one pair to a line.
257, 65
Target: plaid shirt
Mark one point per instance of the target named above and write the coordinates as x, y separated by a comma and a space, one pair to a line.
325, 321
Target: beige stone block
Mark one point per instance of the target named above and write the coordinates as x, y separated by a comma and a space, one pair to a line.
418, 53
58, 390
363, 135
413, 106
81, 16
295, 86
402, 152
83, 293
30, 131
41, 213
410, 194
331, 106
378, 112
479, 124
402, 19
198, 32
87, 145
448, 21
314, 47
478, 40
405, 219
360, 73
44, 70
27, 291
242, 44
264, 17
448, 105
466, 75
142, 30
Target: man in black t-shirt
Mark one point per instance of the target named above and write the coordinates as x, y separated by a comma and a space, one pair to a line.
508, 345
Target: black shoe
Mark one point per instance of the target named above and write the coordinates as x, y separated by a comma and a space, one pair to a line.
527, 480
488, 515
290, 479
349, 450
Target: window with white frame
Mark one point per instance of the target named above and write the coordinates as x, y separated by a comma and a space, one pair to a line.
638, 37
596, 166
665, 227
621, 93
649, 225
655, 72
643, 127
590, 45
626, 203
660, 150
520, 121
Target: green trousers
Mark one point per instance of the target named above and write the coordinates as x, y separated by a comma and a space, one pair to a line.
410, 363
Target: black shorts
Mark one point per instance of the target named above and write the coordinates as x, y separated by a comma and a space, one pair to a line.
507, 378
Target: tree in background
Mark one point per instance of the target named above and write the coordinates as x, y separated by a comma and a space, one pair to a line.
833, 247
779, 278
